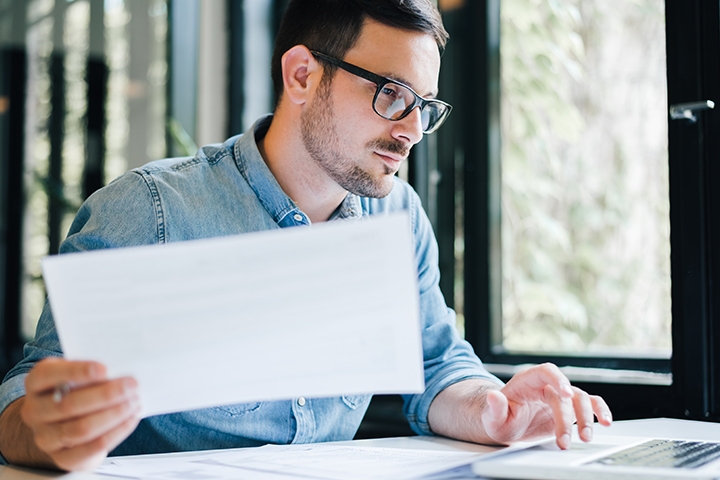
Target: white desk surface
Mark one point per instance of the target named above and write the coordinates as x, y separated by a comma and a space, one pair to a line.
660, 427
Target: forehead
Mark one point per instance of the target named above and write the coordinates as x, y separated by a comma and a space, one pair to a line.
408, 56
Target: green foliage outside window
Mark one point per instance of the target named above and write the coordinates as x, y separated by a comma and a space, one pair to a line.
586, 255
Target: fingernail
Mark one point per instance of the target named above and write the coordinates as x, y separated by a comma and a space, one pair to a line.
564, 441
566, 388
587, 434
607, 418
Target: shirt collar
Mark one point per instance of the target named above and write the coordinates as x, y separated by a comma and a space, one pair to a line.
256, 172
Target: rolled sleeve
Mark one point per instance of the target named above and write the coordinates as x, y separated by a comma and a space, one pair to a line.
448, 358
12, 389
45, 344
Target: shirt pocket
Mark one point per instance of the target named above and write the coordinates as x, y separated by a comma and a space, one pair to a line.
354, 401
239, 409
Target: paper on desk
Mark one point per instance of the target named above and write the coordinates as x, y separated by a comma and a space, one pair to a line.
321, 461
382, 459
320, 311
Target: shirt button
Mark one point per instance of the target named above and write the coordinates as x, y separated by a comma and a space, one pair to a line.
298, 217
351, 212
301, 401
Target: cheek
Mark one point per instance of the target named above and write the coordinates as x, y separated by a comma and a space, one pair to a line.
354, 121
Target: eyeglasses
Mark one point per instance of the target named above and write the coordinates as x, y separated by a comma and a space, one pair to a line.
394, 100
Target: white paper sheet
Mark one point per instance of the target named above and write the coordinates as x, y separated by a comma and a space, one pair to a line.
320, 311
401, 458
321, 461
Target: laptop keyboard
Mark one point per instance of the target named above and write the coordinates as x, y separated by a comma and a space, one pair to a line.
665, 453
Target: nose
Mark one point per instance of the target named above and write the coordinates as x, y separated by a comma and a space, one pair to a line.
409, 129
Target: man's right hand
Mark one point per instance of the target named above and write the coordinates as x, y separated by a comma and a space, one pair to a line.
68, 428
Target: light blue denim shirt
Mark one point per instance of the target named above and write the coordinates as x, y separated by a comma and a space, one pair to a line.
227, 189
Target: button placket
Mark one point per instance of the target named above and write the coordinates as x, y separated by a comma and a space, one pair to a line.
304, 421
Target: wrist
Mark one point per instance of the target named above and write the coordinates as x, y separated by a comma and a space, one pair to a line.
457, 411
17, 441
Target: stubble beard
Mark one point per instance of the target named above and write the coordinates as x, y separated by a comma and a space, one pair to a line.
323, 144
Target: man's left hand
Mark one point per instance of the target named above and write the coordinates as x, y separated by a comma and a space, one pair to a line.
540, 401
536, 402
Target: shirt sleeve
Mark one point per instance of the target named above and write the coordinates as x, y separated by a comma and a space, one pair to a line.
447, 357
121, 214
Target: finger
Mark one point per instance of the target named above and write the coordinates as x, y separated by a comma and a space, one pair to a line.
563, 417
51, 372
584, 414
78, 431
79, 401
535, 378
90, 455
601, 410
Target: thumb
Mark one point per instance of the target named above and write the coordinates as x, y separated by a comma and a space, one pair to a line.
496, 412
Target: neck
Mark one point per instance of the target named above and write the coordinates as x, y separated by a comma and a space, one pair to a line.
298, 174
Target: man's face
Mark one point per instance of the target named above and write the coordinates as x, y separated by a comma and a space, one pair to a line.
353, 145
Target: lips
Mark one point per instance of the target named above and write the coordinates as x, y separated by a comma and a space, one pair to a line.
391, 158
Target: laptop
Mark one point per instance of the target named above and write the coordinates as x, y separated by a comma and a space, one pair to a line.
609, 457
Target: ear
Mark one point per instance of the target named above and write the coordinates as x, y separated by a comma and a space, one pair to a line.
301, 74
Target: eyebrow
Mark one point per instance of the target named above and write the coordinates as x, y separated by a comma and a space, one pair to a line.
395, 78
387, 76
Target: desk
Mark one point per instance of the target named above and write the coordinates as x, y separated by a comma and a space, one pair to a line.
647, 427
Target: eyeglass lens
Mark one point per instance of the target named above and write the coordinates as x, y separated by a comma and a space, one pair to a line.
393, 102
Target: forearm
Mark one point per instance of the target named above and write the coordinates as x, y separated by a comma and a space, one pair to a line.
17, 443
456, 411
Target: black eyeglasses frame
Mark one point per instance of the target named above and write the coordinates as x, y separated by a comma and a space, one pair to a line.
381, 81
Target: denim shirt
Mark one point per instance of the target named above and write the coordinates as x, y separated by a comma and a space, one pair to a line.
227, 189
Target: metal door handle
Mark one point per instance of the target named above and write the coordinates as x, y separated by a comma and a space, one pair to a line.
686, 111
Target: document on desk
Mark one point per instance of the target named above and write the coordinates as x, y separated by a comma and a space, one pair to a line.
315, 311
320, 461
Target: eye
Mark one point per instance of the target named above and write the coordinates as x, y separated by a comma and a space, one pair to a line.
389, 91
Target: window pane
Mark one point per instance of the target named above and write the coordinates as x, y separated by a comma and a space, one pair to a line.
59, 48
585, 205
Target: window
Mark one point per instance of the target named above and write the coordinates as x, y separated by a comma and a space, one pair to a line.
82, 100
585, 222
548, 92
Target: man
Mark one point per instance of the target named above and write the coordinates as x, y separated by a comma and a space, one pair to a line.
356, 81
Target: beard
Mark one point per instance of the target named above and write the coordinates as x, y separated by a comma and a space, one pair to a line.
322, 142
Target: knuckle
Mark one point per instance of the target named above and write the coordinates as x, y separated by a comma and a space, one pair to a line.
66, 407
582, 395
63, 434
43, 440
549, 365
101, 444
64, 442
80, 428
551, 369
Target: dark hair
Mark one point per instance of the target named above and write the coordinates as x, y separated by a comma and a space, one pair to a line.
333, 26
